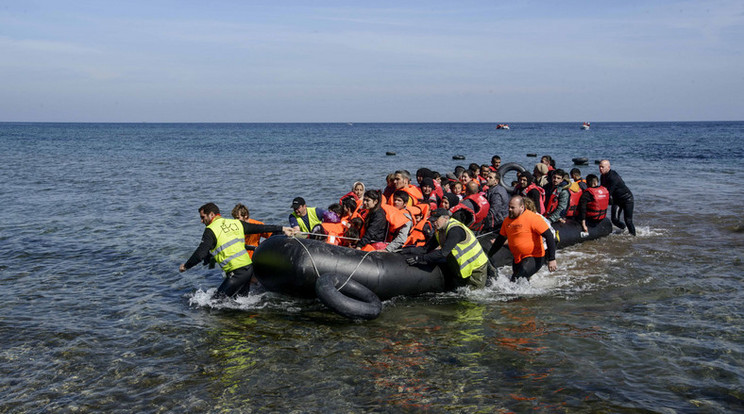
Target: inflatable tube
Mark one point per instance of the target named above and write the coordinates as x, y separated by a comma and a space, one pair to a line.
390, 153
353, 300
580, 161
597, 162
507, 168
532, 155
458, 157
291, 266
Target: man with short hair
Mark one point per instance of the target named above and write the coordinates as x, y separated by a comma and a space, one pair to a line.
557, 203
593, 203
402, 180
495, 163
498, 201
459, 249
304, 218
620, 196
224, 239
525, 230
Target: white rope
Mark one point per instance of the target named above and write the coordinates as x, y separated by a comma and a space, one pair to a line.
326, 235
316, 267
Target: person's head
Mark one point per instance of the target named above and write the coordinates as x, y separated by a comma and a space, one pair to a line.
449, 200
493, 179
390, 179
592, 181
422, 173
516, 207
299, 207
575, 174
439, 218
558, 177
540, 170
349, 205
358, 189
525, 179
371, 199
529, 204
241, 212
458, 170
546, 159
336, 208
427, 186
472, 188
496, 162
474, 167
484, 169
604, 167
402, 179
457, 187
400, 199
208, 212
465, 177
355, 229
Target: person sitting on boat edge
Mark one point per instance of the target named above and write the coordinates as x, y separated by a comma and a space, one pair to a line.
304, 218
525, 230
460, 249
223, 239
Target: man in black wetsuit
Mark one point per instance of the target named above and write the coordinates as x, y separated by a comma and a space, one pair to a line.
224, 239
620, 196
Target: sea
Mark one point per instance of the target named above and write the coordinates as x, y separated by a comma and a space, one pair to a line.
97, 218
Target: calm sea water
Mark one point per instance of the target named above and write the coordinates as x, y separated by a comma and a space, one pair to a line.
95, 316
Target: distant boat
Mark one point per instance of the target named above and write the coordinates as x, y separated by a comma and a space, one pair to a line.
585, 125
502, 126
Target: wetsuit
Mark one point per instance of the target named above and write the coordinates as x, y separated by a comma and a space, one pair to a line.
238, 280
621, 199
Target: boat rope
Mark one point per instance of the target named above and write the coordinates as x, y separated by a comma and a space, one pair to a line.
317, 272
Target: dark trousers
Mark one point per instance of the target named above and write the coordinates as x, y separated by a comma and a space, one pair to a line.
237, 282
624, 206
527, 267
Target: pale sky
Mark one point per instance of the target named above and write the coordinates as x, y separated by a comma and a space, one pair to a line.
372, 61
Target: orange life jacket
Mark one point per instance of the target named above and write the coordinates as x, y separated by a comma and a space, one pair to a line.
396, 220
333, 230
254, 239
418, 235
597, 208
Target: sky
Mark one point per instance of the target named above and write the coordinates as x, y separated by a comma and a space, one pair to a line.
379, 61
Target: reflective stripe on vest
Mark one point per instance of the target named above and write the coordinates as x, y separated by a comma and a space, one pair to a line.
312, 216
229, 251
468, 253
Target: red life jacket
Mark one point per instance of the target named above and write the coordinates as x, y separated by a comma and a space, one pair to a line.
553, 200
347, 195
483, 207
573, 203
533, 186
597, 208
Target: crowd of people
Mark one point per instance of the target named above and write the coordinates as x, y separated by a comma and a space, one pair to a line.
437, 221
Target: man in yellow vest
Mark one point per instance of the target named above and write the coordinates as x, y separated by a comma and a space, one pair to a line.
304, 218
459, 249
224, 239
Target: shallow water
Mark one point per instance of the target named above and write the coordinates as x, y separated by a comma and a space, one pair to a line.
97, 318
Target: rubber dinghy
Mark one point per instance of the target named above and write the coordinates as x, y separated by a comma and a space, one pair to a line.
353, 282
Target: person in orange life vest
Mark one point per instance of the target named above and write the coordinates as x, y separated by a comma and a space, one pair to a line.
475, 202
422, 229
593, 203
304, 218
498, 202
241, 213
578, 184
219, 240
331, 225
400, 229
353, 232
525, 231
620, 196
557, 204
375, 229
528, 188
495, 163
428, 195
402, 181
